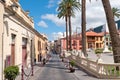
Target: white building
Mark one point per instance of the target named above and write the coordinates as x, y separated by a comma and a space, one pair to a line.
16, 36
1, 33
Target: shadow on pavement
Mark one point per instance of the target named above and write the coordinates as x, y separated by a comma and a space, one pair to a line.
87, 74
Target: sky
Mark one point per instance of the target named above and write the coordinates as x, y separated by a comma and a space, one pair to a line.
44, 13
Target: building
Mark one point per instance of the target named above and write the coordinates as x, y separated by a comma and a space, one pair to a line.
100, 28
1, 37
17, 37
104, 28
57, 46
93, 40
40, 46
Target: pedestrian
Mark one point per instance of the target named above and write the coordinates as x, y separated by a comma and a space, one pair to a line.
44, 61
34, 60
40, 57
63, 56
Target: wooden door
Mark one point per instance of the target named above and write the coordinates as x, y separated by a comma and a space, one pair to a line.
12, 54
24, 55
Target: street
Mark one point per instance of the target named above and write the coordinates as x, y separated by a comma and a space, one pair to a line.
56, 70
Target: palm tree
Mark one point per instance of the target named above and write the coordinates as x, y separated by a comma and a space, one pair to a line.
113, 31
116, 12
69, 7
83, 15
63, 13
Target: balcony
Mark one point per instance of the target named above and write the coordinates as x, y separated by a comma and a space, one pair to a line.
90, 40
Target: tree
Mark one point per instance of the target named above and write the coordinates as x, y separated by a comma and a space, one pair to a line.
63, 13
116, 12
112, 30
68, 7
83, 15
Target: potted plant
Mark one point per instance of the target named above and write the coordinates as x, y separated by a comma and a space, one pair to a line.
71, 66
11, 72
98, 52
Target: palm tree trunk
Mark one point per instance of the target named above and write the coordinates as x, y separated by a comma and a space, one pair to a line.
84, 27
113, 31
66, 33
70, 30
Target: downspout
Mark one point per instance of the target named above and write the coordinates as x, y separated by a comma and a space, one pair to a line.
2, 55
2, 50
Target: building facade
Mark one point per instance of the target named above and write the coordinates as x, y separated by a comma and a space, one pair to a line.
20, 43
93, 40
40, 46
1, 38
16, 36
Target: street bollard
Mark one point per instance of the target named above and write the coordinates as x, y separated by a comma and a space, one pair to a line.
22, 73
32, 70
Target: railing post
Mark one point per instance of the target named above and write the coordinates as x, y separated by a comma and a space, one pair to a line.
32, 70
22, 73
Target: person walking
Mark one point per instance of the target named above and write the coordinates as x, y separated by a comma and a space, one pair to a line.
40, 57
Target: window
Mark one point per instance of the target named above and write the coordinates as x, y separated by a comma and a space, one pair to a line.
13, 38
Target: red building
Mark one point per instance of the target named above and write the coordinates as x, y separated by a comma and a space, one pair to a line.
93, 40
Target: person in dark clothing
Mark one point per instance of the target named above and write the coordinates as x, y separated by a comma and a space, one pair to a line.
40, 57
44, 61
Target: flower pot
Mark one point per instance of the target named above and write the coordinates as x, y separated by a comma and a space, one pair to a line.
72, 70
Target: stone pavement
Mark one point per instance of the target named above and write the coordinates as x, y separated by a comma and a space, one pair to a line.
27, 71
50, 70
106, 57
80, 74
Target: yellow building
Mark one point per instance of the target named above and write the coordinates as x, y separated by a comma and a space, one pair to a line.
40, 46
94, 40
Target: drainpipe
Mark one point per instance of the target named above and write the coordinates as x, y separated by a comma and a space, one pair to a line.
2, 50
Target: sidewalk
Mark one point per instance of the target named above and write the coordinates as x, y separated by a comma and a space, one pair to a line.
27, 71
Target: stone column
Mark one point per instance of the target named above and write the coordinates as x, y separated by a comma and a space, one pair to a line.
1, 42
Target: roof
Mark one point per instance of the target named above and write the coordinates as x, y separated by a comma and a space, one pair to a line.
91, 33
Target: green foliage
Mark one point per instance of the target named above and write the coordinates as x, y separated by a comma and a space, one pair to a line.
98, 51
72, 63
110, 48
11, 72
112, 70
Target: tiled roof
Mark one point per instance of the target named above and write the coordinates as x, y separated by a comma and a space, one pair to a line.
91, 33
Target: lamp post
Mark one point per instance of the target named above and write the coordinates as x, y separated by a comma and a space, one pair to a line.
32, 58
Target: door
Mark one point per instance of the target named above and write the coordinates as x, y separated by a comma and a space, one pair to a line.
12, 54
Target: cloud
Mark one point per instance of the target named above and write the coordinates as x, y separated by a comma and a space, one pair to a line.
53, 18
50, 4
42, 24
95, 15
57, 35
